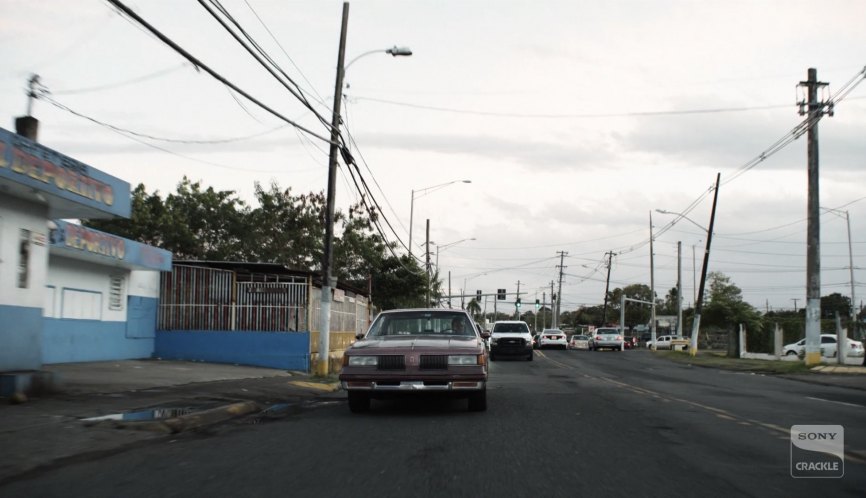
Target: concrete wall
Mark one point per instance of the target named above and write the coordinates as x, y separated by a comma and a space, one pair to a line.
286, 350
83, 322
21, 307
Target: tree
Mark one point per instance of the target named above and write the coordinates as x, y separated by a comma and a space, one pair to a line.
635, 313
835, 303
474, 308
725, 306
671, 302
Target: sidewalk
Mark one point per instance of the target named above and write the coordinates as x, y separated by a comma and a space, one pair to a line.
49, 428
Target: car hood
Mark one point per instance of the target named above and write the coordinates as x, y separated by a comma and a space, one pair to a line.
500, 335
414, 343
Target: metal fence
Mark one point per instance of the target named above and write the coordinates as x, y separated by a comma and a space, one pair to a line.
198, 298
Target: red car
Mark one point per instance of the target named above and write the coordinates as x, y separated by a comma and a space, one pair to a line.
417, 352
630, 341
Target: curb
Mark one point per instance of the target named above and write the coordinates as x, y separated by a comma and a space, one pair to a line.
187, 422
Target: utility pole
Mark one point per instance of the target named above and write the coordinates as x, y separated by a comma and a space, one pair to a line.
449, 292
516, 299
795, 299
696, 323
813, 230
543, 304
427, 254
553, 296
562, 255
610, 256
652, 286
328, 257
679, 288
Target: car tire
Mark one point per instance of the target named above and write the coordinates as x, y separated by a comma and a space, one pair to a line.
478, 401
791, 353
359, 402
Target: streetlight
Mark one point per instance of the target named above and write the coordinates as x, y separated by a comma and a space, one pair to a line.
443, 247
683, 216
839, 212
394, 51
425, 190
696, 321
446, 246
323, 366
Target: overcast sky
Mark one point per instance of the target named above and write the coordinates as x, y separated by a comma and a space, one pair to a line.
574, 120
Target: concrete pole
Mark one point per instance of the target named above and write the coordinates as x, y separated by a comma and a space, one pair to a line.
679, 288
427, 258
411, 217
652, 287
813, 229
325, 320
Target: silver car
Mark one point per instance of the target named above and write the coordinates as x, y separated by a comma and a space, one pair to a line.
606, 337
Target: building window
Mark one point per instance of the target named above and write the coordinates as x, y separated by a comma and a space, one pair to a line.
23, 258
81, 304
115, 293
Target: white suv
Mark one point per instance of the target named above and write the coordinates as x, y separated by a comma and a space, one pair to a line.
510, 338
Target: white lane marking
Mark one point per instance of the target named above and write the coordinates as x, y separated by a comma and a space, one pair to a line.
837, 402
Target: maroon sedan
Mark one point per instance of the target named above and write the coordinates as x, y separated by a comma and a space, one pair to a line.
414, 352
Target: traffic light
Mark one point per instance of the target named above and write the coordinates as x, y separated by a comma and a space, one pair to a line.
478, 296
537, 304
518, 302
500, 294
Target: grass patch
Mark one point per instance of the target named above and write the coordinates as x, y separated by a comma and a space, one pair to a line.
715, 359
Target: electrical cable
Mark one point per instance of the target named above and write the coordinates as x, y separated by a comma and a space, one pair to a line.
197, 63
258, 56
119, 84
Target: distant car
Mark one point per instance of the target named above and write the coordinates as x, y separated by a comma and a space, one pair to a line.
510, 338
828, 347
606, 337
579, 342
667, 341
629, 341
416, 352
552, 338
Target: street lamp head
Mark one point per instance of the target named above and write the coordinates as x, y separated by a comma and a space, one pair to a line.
401, 51
663, 211
467, 181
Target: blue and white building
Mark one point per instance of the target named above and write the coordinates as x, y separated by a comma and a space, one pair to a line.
69, 293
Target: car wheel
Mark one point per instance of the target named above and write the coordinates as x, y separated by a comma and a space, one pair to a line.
478, 401
359, 402
791, 353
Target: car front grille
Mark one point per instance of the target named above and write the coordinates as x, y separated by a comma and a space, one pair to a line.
392, 362
434, 362
512, 341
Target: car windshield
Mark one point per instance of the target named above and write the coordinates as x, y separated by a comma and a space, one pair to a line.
605, 331
510, 327
422, 323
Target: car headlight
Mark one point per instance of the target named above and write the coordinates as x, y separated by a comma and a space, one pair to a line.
464, 359
363, 361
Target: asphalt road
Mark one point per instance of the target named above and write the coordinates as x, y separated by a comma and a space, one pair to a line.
569, 423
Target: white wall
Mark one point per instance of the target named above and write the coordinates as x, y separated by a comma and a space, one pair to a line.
16, 214
81, 290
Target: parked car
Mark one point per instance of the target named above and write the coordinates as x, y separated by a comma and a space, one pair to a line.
552, 338
417, 352
828, 347
606, 337
511, 338
667, 341
579, 342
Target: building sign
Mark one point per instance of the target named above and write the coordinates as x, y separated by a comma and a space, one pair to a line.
34, 165
80, 242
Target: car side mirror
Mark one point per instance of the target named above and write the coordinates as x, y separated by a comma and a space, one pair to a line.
485, 335
359, 336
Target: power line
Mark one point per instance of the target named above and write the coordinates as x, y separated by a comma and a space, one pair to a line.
258, 54
197, 63
570, 115
119, 84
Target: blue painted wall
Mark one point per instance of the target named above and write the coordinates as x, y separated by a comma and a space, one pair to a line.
20, 336
285, 350
70, 341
